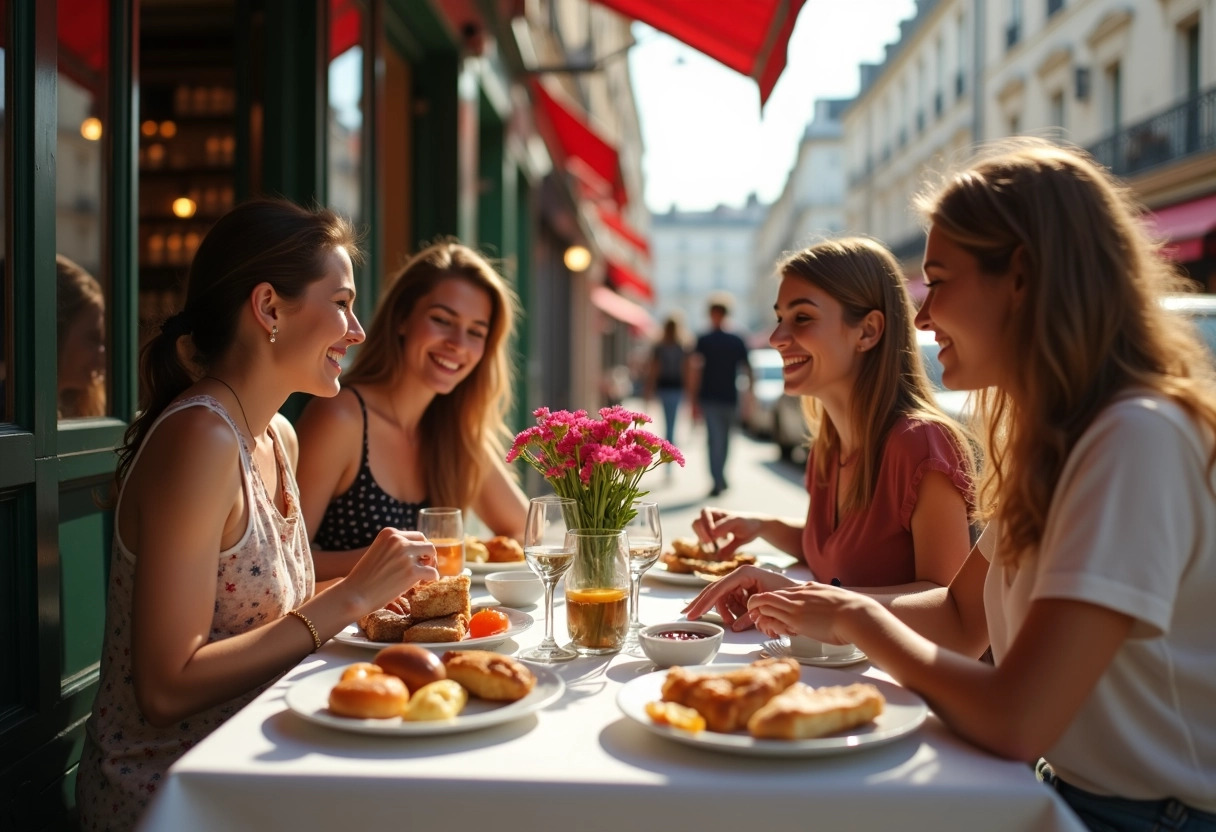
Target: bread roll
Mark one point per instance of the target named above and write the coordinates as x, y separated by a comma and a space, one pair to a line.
411, 664
489, 675
379, 696
444, 699
801, 712
503, 549
359, 669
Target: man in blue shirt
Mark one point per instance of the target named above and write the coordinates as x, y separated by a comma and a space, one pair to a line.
713, 389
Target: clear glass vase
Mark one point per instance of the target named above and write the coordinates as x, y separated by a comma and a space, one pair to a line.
597, 591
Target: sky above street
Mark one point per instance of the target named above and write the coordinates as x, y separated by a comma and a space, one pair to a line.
707, 142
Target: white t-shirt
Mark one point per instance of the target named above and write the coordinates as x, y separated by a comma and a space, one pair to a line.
1132, 528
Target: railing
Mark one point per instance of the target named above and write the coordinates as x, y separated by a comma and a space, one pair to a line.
1173, 134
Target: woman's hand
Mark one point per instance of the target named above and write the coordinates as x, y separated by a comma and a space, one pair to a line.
730, 595
814, 610
394, 562
714, 525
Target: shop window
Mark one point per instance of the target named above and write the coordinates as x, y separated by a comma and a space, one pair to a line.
5, 284
187, 144
344, 165
81, 222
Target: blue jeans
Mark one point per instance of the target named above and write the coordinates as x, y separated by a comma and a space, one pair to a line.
1115, 814
670, 398
719, 416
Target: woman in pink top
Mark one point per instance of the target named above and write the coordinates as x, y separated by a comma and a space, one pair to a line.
889, 475
212, 591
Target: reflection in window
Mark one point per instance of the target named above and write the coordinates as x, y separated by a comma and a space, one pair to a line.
345, 162
5, 415
80, 194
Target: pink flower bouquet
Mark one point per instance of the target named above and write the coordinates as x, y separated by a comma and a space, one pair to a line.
598, 463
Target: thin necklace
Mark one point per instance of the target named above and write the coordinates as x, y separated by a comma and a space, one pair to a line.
238, 404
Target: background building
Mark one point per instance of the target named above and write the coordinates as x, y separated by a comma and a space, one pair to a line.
1133, 82
700, 252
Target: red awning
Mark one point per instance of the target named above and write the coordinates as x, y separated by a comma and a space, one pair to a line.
1184, 225
749, 36
345, 25
623, 277
622, 308
84, 39
587, 154
626, 232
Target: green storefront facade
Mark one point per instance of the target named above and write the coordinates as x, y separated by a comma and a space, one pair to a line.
186, 106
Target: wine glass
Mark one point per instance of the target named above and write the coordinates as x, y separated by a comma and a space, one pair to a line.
549, 554
645, 542
445, 528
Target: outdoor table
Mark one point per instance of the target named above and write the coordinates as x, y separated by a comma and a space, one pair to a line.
581, 764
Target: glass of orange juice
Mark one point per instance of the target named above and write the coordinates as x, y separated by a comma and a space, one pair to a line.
445, 528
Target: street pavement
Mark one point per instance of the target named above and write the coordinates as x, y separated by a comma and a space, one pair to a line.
759, 480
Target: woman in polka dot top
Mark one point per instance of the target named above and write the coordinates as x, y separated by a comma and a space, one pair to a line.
421, 418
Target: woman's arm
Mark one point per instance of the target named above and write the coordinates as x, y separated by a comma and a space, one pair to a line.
1017, 710
186, 510
330, 437
501, 505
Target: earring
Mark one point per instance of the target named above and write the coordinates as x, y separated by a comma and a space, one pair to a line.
274, 331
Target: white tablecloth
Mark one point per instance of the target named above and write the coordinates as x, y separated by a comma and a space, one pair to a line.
580, 764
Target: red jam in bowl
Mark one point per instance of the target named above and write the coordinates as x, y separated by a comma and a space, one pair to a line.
681, 635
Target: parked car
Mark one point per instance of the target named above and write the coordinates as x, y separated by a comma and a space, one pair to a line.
768, 385
1201, 309
953, 402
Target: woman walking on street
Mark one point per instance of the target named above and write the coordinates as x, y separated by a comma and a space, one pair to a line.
666, 372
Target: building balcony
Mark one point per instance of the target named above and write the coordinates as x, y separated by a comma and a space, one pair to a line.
1181, 131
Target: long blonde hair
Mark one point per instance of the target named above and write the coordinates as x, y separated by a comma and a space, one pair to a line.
861, 275
466, 427
1091, 324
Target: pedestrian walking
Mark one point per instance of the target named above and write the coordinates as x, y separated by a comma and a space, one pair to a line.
712, 383
666, 372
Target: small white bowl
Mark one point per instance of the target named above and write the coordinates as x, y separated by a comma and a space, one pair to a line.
515, 589
809, 648
666, 652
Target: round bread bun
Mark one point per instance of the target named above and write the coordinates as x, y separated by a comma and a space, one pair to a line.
379, 696
503, 549
360, 669
414, 665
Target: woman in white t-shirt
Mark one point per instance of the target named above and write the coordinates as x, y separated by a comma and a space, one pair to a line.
1095, 578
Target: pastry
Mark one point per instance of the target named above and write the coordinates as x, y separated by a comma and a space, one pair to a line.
438, 630
489, 675
384, 625
475, 551
728, 700
801, 712
414, 665
436, 599
443, 699
503, 549
378, 696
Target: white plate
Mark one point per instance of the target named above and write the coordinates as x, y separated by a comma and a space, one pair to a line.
309, 698
517, 623
659, 573
776, 647
483, 569
903, 714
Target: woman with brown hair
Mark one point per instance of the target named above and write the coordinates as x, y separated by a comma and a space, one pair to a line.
1094, 579
421, 419
80, 313
211, 589
889, 474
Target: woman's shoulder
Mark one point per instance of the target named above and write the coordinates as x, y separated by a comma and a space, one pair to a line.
196, 435
1143, 416
919, 436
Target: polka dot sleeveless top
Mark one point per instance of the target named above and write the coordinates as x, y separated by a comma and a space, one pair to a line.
354, 518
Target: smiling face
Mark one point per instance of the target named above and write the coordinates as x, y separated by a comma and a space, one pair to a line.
819, 348
970, 314
323, 326
444, 336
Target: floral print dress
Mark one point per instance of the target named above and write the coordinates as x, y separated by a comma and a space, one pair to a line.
267, 573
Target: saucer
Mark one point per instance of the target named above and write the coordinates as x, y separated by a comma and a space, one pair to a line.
777, 649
